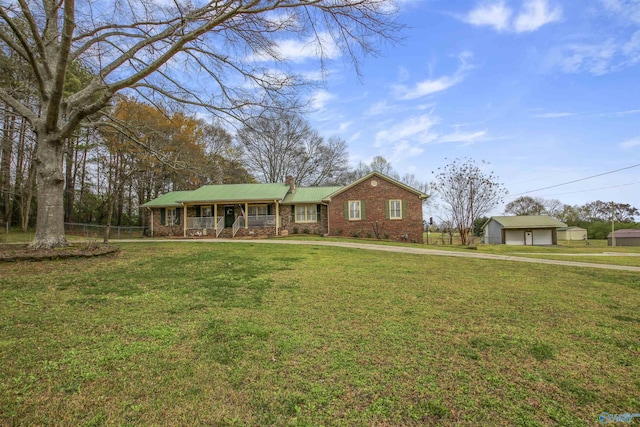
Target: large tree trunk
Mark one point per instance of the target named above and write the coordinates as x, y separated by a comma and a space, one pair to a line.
50, 182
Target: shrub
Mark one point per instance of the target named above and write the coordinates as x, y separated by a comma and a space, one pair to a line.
295, 230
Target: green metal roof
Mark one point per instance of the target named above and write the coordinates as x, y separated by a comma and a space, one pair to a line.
528, 221
167, 200
236, 193
309, 195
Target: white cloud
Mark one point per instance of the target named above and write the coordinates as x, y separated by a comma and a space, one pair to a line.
553, 115
533, 14
496, 15
427, 87
320, 99
629, 9
600, 57
430, 86
417, 128
299, 51
377, 109
619, 113
632, 47
630, 143
344, 125
467, 138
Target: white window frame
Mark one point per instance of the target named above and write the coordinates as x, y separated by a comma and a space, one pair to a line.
353, 210
309, 213
171, 216
395, 212
206, 210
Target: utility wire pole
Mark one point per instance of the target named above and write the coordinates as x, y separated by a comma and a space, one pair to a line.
613, 227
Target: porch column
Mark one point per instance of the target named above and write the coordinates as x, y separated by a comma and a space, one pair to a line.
184, 223
215, 216
277, 217
246, 215
151, 222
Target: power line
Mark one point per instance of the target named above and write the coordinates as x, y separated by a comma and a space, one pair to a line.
575, 180
591, 189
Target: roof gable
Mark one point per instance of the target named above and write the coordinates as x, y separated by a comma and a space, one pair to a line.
380, 176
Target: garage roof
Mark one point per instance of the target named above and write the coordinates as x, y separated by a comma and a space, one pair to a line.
625, 232
528, 221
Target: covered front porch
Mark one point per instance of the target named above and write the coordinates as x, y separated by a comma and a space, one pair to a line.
232, 219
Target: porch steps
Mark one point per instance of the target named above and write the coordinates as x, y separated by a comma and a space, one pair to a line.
226, 234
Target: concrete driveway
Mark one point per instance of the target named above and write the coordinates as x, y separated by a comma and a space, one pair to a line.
400, 249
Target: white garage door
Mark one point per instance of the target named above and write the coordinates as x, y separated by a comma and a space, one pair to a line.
513, 237
542, 237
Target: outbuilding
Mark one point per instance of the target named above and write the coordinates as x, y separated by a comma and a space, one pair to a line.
625, 237
572, 233
529, 230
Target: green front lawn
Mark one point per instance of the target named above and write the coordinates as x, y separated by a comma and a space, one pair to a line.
255, 334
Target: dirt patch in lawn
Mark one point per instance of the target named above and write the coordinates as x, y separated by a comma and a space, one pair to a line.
12, 253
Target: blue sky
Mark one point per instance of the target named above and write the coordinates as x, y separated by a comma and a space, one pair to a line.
547, 91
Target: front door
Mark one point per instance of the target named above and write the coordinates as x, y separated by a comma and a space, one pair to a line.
528, 238
229, 216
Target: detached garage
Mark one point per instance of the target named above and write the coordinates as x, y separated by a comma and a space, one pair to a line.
625, 237
527, 230
572, 233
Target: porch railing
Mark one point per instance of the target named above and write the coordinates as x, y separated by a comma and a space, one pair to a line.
200, 222
260, 221
220, 226
236, 225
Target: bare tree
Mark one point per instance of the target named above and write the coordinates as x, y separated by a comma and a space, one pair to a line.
468, 192
227, 48
284, 144
525, 205
378, 164
553, 207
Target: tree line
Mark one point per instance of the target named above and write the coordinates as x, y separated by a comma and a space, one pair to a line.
64, 63
138, 152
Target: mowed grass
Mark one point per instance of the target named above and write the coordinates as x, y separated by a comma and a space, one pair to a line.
255, 334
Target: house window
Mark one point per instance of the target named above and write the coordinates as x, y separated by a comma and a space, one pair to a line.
206, 212
354, 209
172, 217
306, 213
258, 210
395, 209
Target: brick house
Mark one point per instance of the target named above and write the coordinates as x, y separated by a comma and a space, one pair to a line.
373, 206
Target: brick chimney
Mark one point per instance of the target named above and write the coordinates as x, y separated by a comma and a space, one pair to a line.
292, 184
